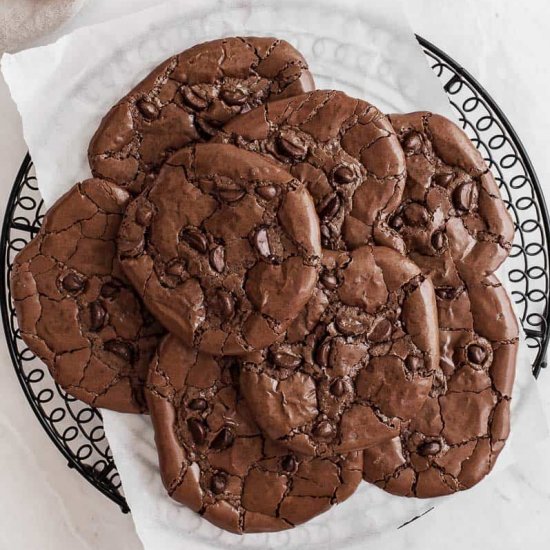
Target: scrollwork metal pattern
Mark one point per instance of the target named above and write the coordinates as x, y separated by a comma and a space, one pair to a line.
77, 430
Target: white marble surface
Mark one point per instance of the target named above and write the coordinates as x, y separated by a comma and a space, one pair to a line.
44, 505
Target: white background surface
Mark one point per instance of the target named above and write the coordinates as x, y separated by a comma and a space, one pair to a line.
504, 43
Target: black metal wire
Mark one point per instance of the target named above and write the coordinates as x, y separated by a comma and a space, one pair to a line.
76, 429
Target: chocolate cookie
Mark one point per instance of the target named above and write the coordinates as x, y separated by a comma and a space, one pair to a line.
456, 438
344, 149
452, 210
214, 459
74, 306
358, 362
187, 98
224, 248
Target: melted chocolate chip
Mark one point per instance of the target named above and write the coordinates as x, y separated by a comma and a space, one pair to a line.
195, 239
350, 326
73, 282
286, 360
439, 240
198, 404
144, 214
331, 208
412, 143
291, 145
109, 290
267, 192
230, 194
323, 353
429, 448
233, 96
197, 429
338, 387
396, 223
414, 363
97, 315
148, 109
204, 129
328, 280
218, 483
192, 98
324, 429
261, 242
176, 269
121, 349
343, 175
463, 196
476, 354
224, 304
288, 464
217, 259
381, 332
223, 440
447, 293
443, 180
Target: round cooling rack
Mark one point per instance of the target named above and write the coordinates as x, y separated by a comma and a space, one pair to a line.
77, 430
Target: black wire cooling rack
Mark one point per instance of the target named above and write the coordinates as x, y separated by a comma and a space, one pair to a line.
77, 429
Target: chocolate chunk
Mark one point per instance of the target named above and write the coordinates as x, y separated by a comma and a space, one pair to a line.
217, 259
97, 315
233, 96
267, 192
439, 240
331, 208
323, 353
286, 360
223, 440
429, 448
218, 484
381, 331
338, 388
328, 280
148, 109
291, 145
463, 196
195, 239
476, 354
198, 404
121, 349
73, 282
197, 429
289, 464
343, 175
412, 143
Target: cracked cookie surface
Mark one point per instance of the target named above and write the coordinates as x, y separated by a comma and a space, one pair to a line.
214, 459
224, 248
358, 361
454, 441
75, 308
342, 148
451, 210
187, 99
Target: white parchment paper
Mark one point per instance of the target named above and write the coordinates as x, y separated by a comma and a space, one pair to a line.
362, 47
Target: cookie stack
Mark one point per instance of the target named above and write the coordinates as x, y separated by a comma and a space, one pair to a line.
296, 287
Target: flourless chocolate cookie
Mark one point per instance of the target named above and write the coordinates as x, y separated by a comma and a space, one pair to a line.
187, 98
356, 363
214, 459
76, 310
456, 438
452, 210
344, 149
224, 248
